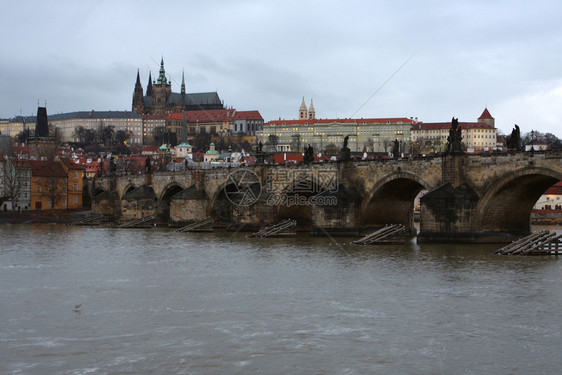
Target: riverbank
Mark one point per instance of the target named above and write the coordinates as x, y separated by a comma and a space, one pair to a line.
42, 216
546, 217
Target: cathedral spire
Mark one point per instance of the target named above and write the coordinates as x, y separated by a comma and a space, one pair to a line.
149, 86
162, 76
182, 83
137, 96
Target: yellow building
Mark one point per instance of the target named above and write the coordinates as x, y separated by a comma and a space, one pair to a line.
48, 185
476, 136
75, 175
365, 134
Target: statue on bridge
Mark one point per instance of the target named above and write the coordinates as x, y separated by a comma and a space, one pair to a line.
514, 142
260, 155
308, 154
454, 144
396, 148
148, 165
112, 166
345, 153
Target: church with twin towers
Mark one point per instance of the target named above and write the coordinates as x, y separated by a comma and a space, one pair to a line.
307, 113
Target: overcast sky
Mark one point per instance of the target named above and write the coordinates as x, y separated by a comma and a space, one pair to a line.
439, 59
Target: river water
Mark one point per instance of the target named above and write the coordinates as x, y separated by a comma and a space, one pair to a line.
159, 302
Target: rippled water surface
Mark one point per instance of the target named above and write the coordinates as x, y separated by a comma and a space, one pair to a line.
159, 302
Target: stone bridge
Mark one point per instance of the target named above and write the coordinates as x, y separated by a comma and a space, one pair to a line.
469, 198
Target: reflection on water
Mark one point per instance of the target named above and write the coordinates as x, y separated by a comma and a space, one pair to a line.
155, 301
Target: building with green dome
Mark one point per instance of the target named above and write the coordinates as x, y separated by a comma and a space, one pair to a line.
212, 154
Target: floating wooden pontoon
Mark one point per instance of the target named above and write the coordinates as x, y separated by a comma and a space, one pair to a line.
142, 222
391, 233
90, 220
284, 228
542, 242
204, 225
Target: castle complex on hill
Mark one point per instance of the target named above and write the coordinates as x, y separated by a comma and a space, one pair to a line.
159, 98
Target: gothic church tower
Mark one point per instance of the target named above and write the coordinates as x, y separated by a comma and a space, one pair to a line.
138, 103
161, 91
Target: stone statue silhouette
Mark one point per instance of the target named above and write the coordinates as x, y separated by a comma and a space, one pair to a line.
112, 166
514, 142
396, 148
345, 154
148, 166
454, 140
308, 154
260, 156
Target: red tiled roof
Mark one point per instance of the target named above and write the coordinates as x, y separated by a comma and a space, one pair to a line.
210, 115
447, 125
21, 163
150, 149
92, 167
20, 149
485, 115
359, 121
555, 189
248, 115
40, 168
70, 164
281, 158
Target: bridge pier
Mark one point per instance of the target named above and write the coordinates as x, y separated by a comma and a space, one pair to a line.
337, 212
446, 214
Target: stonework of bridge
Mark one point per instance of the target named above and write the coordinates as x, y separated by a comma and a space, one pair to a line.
470, 198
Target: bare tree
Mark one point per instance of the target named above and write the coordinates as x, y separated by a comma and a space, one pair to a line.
55, 183
296, 142
13, 183
370, 144
121, 136
107, 134
331, 150
272, 142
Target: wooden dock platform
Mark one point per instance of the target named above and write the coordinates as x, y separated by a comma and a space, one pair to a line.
391, 233
138, 223
285, 228
205, 225
543, 242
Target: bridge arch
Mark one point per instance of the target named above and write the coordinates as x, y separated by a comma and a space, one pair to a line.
98, 191
231, 199
391, 200
127, 189
291, 203
163, 210
507, 202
